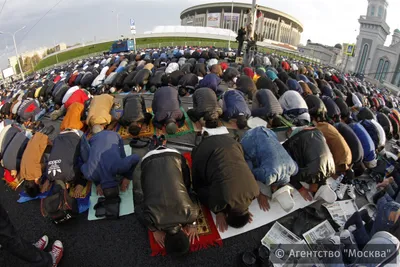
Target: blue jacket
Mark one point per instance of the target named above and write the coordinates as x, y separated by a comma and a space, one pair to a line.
366, 141
372, 131
106, 159
234, 104
120, 69
267, 159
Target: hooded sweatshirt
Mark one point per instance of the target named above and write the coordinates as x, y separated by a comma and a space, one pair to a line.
294, 105
32, 163
99, 110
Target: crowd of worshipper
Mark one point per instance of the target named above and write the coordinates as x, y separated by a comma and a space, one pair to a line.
336, 126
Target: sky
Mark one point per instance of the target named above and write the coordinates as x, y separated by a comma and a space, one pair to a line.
77, 21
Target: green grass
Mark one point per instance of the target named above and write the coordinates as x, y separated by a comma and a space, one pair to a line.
147, 43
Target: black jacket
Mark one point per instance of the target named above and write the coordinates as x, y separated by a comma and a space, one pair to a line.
165, 180
142, 77
221, 176
315, 105
384, 121
309, 150
246, 85
134, 109
352, 141
64, 157
205, 100
344, 108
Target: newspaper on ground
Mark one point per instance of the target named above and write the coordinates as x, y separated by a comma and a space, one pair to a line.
287, 249
321, 231
278, 234
341, 211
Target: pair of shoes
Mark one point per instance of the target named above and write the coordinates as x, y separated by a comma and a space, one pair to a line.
343, 188
361, 186
57, 249
258, 257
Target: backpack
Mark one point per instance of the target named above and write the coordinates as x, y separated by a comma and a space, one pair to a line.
59, 206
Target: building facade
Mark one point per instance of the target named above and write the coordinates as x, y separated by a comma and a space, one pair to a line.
329, 55
377, 62
271, 25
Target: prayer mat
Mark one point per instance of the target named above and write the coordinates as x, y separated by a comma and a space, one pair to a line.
208, 235
147, 131
185, 129
23, 197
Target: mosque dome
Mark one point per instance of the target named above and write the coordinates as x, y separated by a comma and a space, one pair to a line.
397, 31
338, 46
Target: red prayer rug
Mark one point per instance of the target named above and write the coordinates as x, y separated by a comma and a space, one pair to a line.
208, 235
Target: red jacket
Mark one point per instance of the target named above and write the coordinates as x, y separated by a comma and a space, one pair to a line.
78, 96
57, 79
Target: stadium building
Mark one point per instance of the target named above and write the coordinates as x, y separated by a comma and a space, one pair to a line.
271, 24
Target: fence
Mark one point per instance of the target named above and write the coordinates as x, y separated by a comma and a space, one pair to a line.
219, 44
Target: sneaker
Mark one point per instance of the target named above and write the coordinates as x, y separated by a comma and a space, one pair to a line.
351, 191
57, 252
334, 240
347, 238
42, 242
326, 193
340, 191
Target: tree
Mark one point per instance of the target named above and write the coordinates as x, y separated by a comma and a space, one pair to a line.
27, 66
35, 59
16, 67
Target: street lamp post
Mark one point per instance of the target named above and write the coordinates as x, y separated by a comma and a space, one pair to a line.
230, 24
16, 50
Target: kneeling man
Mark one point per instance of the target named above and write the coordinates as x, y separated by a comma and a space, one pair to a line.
168, 210
223, 181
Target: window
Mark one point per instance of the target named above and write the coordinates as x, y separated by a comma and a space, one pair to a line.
380, 12
372, 11
363, 58
385, 70
379, 69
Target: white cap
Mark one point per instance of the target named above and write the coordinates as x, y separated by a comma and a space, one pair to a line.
254, 122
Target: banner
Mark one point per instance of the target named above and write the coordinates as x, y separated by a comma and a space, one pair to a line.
133, 26
235, 17
213, 20
350, 49
8, 72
